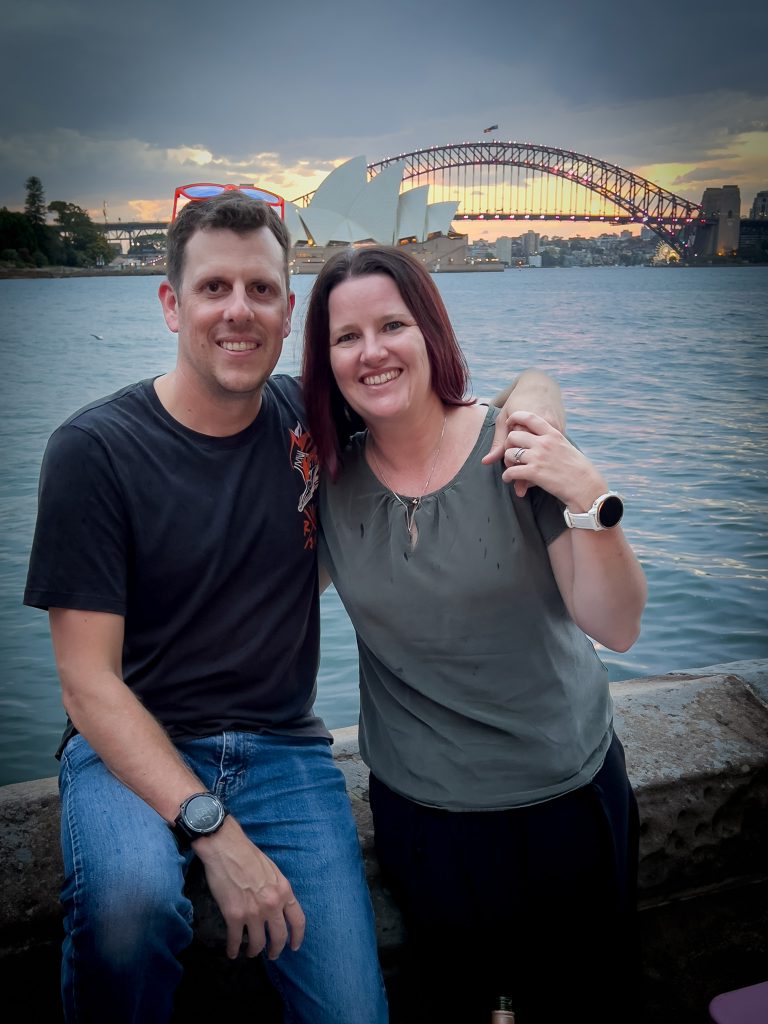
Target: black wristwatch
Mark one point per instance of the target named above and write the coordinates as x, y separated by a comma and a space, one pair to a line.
201, 814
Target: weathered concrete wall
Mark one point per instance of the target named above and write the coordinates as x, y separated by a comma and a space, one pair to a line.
697, 753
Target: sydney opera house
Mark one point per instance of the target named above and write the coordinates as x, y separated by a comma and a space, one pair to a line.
347, 209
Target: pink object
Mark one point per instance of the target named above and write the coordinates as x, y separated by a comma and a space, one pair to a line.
742, 1006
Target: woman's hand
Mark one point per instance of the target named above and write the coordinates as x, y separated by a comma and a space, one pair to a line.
599, 578
532, 390
536, 453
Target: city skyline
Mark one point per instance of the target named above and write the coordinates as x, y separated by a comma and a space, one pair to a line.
112, 106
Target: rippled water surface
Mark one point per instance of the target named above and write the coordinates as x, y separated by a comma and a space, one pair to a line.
664, 377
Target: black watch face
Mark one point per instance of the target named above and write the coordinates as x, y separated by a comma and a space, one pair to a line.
611, 511
203, 813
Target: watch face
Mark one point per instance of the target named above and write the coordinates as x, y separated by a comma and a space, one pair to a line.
203, 813
610, 512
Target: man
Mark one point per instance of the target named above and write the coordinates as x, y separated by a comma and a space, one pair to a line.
175, 553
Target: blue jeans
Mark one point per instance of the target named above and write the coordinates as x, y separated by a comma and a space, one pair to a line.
127, 917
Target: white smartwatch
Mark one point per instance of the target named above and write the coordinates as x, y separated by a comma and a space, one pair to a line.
606, 512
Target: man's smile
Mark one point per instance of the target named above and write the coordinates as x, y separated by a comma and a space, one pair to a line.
244, 345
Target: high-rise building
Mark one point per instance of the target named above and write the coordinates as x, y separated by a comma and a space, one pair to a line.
759, 209
504, 248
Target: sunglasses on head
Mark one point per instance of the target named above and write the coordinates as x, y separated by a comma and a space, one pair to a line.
202, 190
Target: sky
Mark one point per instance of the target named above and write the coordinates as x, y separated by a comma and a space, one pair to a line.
118, 103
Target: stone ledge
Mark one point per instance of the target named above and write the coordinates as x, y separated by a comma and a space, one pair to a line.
697, 754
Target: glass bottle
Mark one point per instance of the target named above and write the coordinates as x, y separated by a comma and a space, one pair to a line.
503, 1014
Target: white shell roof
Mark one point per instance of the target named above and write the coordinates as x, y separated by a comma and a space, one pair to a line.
348, 208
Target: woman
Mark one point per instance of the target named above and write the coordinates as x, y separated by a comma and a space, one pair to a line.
504, 820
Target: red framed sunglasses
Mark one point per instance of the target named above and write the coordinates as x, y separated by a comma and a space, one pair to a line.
202, 190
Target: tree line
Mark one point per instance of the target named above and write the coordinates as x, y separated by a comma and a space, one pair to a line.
27, 240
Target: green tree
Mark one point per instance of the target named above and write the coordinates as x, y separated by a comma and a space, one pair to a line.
17, 239
34, 207
47, 247
550, 259
84, 244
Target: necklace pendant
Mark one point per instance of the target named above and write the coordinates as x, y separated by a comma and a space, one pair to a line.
411, 506
410, 514
410, 521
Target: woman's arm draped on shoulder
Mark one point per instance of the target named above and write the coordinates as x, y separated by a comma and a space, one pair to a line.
599, 577
532, 391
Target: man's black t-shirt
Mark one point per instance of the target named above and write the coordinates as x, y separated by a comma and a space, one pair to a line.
205, 545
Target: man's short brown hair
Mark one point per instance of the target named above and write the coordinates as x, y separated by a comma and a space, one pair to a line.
229, 211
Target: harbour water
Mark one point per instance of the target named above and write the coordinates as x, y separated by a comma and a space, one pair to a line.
664, 374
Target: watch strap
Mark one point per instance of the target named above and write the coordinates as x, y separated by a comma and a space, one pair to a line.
181, 834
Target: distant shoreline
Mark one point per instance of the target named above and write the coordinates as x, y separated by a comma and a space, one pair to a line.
48, 272
37, 273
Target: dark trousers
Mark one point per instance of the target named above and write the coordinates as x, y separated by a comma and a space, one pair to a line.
535, 903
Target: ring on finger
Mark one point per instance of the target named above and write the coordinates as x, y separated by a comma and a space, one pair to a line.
517, 458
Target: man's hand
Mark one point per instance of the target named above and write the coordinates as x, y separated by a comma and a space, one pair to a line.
533, 391
254, 897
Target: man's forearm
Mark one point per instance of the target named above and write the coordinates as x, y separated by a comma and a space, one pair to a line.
131, 743
535, 391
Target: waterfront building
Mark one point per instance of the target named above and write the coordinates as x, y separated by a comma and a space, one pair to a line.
504, 249
530, 243
483, 251
348, 208
759, 210
753, 240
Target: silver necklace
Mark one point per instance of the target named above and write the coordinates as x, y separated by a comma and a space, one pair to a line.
414, 504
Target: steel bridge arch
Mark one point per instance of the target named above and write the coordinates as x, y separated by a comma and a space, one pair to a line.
670, 216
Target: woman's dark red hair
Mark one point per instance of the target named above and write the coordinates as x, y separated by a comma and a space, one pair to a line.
330, 420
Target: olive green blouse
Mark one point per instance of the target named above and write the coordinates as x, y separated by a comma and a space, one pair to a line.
477, 690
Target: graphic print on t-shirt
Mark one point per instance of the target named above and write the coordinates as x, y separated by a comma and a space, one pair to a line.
304, 461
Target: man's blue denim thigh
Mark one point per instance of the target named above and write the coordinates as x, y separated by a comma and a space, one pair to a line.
290, 798
125, 915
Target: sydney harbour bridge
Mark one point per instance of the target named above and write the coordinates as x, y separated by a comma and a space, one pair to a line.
522, 182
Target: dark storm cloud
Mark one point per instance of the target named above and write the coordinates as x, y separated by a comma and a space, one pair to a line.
176, 74
93, 96
180, 73
605, 49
